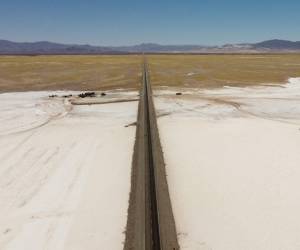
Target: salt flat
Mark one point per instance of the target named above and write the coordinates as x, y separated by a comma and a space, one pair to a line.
232, 157
64, 172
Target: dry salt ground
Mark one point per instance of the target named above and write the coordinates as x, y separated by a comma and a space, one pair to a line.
232, 159
233, 165
64, 172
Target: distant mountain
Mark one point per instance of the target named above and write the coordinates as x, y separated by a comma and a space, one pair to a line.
278, 45
44, 47
8, 47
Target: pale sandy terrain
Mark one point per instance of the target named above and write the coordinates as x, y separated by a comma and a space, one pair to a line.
64, 173
233, 160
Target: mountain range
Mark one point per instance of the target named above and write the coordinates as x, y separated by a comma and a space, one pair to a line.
45, 47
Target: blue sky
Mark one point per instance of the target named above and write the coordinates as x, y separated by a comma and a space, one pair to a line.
127, 22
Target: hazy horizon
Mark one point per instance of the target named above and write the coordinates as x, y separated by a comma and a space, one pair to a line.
120, 23
147, 43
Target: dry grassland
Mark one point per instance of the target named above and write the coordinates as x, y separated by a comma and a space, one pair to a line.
24, 73
219, 70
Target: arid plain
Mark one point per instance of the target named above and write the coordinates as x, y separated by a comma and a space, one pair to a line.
18, 73
229, 128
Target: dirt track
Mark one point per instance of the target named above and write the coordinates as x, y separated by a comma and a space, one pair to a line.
150, 222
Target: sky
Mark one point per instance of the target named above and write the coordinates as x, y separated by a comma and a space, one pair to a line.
128, 22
